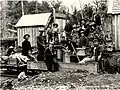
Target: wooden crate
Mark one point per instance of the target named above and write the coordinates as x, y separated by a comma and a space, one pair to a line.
33, 65
12, 61
82, 51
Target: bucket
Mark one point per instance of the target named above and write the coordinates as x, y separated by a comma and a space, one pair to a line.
66, 57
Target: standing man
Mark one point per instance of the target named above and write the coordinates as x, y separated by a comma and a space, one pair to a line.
26, 46
49, 32
68, 28
49, 58
55, 31
40, 46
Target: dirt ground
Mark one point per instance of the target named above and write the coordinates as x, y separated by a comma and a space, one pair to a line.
66, 80
69, 80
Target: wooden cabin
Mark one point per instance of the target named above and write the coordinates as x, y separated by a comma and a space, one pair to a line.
33, 23
114, 11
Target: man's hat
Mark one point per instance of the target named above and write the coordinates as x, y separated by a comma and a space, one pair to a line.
11, 47
26, 35
74, 26
82, 31
92, 23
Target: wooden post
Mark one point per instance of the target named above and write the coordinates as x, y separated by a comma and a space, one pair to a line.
54, 15
22, 7
115, 32
36, 10
53, 21
118, 31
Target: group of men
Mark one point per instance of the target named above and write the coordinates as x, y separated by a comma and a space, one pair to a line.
82, 34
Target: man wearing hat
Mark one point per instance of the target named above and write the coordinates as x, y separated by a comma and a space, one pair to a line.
55, 30
83, 42
40, 46
26, 46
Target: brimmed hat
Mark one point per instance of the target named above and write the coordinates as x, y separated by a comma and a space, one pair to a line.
92, 23
82, 31
11, 47
95, 40
74, 26
26, 35
55, 24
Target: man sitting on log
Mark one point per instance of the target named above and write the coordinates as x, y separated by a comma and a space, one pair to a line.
95, 53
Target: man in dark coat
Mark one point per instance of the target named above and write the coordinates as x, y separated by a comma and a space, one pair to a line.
49, 58
68, 28
83, 40
40, 46
26, 46
97, 20
97, 52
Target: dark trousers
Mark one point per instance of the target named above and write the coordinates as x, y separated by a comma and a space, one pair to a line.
51, 65
49, 38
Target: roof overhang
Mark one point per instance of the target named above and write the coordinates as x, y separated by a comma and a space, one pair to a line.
33, 20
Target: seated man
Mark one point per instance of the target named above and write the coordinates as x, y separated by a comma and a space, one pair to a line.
96, 53
83, 42
63, 42
5, 58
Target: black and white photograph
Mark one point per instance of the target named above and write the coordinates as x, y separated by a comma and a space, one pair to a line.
59, 44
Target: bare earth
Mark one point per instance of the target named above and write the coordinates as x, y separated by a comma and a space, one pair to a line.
67, 80
70, 80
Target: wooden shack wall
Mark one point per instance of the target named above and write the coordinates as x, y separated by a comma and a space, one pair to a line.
116, 31
32, 31
61, 23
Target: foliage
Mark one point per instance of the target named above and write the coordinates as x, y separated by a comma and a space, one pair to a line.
11, 11
87, 11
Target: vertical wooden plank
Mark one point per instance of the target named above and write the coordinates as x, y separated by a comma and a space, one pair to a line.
18, 35
32, 37
30, 31
23, 33
115, 32
118, 31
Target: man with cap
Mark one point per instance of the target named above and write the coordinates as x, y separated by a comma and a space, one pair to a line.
40, 46
83, 42
26, 46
